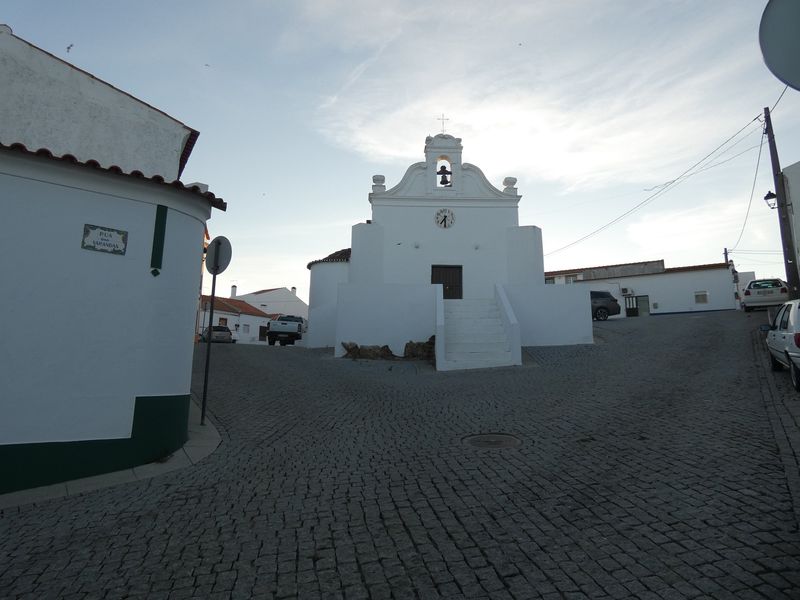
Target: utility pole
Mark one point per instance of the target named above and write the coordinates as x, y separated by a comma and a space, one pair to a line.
787, 242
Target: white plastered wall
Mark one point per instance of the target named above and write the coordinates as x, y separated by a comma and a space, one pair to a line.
91, 330
280, 300
47, 103
390, 314
791, 184
412, 243
551, 315
323, 297
673, 292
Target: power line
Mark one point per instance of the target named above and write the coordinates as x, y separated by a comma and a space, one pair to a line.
751, 261
663, 189
752, 190
779, 99
722, 162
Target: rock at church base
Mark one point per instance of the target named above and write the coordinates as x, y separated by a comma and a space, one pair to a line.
353, 350
412, 351
421, 350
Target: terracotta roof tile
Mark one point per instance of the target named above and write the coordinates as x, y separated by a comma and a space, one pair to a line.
582, 269
708, 267
217, 203
342, 255
232, 305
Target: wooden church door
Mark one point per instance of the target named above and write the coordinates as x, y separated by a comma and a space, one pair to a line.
450, 278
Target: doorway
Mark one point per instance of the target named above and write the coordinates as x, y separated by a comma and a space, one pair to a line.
644, 305
450, 276
637, 306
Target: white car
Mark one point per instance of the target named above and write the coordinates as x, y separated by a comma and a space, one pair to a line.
783, 341
764, 292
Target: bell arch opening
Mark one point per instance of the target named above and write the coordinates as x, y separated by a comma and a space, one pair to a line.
444, 173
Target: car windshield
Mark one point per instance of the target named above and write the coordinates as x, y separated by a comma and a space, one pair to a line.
290, 318
220, 328
601, 295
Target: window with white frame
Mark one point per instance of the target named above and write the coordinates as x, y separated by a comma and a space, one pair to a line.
549, 279
701, 297
245, 328
570, 278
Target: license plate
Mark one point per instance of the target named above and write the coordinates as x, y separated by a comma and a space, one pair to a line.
764, 292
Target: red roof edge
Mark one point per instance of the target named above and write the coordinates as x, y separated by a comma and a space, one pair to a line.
708, 267
217, 203
232, 305
342, 255
187, 150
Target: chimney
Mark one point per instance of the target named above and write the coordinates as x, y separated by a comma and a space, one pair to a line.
233, 291
294, 291
201, 187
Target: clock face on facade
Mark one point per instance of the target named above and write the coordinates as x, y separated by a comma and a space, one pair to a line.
445, 218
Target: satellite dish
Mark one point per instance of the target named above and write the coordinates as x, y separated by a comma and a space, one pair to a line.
779, 38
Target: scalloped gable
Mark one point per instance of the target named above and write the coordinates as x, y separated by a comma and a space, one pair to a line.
414, 184
420, 180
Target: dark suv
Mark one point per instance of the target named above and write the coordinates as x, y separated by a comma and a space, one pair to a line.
603, 305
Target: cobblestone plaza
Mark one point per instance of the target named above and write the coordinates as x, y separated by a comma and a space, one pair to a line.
659, 463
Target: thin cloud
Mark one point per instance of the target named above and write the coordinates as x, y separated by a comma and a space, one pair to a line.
559, 113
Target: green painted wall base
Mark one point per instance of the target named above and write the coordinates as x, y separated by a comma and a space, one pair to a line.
160, 426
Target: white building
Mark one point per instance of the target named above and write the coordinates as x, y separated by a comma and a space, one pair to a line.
644, 288
276, 301
247, 323
101, 263
791, 185
444, 254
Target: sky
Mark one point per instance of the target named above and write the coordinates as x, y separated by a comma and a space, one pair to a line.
598, 108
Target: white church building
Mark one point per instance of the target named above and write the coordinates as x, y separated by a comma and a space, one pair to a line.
444, 254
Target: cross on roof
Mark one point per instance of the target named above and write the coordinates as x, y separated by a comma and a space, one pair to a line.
442, 119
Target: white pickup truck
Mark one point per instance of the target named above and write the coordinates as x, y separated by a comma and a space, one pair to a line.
286, 329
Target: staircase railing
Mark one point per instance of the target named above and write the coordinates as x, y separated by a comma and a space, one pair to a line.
510, 323
439, 347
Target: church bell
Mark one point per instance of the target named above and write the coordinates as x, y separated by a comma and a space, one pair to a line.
444, 173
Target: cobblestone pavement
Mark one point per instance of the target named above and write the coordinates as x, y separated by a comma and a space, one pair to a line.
653, 465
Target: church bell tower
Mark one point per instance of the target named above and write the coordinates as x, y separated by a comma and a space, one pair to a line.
443, 163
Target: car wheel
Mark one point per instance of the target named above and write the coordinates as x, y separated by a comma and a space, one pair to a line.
774, 364
601, 314
271, 341
795, 375
283, 342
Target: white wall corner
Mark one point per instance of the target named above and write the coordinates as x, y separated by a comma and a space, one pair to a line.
441, 356
510, 323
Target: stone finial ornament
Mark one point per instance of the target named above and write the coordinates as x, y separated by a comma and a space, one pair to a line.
378, 183
510, 185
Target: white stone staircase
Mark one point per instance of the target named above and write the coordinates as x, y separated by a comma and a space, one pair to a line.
475, 337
